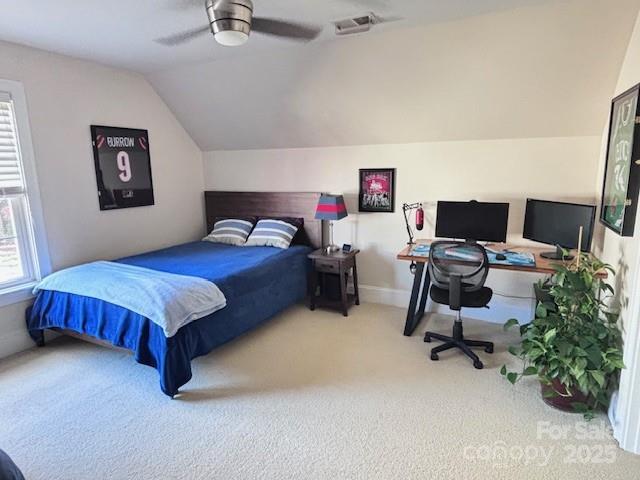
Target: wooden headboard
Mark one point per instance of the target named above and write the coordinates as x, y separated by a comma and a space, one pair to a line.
262, 204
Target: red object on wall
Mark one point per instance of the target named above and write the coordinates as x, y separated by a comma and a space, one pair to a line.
419, 218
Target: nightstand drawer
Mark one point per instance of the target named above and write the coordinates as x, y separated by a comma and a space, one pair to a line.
327, 266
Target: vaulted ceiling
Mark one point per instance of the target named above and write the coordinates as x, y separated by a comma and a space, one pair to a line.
445, 70
547, 70
122, 32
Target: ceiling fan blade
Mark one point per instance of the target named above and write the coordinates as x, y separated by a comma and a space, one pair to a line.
182, 37
387, 19
282, 28
184, 4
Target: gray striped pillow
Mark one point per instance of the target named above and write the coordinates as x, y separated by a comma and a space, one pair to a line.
232, 231
271, 233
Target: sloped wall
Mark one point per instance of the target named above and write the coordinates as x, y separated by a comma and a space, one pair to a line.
64, 97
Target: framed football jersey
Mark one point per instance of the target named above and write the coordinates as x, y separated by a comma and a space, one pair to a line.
123, 167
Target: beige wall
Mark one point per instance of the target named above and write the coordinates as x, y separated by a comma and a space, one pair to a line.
493, 170
619, 251
64, 97
623, 254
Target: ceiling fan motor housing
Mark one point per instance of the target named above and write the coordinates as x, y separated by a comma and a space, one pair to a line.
230, 19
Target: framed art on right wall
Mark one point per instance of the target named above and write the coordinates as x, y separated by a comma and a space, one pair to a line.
622, 170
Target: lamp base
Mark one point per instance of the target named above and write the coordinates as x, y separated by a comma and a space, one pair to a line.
331, 248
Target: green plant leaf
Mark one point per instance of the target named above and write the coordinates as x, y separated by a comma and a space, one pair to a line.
594, 355
598, 377
617, 363
534, 354
513, 350
550, 335
510, 323
512, 377
531, 370
503, 370
579, 407
541, 311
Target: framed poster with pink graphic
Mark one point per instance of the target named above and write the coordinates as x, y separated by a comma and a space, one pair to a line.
377, 190
123, 167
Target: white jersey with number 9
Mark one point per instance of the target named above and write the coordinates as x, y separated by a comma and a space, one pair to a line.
124, 165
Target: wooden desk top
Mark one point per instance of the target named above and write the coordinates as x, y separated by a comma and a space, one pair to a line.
543, 265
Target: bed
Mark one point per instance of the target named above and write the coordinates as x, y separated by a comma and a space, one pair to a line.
258, 283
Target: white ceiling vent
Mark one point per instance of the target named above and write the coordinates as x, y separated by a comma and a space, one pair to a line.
356, 25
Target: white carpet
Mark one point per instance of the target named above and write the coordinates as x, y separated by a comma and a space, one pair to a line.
310, 395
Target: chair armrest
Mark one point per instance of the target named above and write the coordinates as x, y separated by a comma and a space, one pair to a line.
455, 291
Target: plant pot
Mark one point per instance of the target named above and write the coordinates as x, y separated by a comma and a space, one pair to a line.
562, 402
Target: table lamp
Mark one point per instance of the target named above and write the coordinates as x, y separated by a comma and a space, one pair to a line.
331, 207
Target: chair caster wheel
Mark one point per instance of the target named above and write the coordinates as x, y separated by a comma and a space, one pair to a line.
427, 338
489, 349
478, 364
434, 357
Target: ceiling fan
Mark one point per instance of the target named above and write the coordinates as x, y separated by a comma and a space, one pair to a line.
231, 21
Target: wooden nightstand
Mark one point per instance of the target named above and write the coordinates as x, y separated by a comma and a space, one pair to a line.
337, 264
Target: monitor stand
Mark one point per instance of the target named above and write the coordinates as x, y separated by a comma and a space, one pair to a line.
557, 254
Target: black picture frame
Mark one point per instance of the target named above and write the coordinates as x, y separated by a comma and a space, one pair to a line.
621, 184
122, 161
377, 190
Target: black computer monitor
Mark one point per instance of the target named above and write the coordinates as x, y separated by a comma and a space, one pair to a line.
480, 221
558, 223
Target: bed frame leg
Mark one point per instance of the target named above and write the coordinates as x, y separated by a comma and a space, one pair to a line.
37, 336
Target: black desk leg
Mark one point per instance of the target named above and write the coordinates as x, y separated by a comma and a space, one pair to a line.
422, 282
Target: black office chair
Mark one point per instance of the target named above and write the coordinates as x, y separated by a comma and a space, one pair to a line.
458, 271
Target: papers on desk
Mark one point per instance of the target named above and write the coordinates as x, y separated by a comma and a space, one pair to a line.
421, 250
520, 259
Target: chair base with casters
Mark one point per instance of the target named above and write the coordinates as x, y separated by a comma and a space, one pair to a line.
458, 341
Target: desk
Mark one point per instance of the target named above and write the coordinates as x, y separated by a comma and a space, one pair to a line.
422, 281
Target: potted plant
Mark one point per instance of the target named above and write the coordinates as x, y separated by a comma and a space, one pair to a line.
574, 343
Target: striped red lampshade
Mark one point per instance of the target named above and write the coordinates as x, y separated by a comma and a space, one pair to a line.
331, 207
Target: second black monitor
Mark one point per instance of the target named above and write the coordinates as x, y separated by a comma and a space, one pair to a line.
558, 223
480, 221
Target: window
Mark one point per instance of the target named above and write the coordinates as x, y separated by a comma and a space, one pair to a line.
20, 263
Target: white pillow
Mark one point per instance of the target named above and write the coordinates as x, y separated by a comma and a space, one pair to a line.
271, 233
232, 231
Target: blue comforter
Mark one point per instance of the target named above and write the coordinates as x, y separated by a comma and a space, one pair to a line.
258, 282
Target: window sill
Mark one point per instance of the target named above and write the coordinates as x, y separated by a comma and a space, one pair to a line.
17, 294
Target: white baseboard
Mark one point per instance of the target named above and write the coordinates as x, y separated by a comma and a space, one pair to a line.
14, 342
384, 296
500, 309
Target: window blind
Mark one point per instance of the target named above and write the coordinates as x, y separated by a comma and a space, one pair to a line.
11, 179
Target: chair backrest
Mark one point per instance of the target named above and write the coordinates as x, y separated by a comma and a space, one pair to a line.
465, 260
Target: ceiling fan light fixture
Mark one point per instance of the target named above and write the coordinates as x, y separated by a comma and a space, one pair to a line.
231, 38
230, 21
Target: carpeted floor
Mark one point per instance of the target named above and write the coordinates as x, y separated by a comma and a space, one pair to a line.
311, 395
